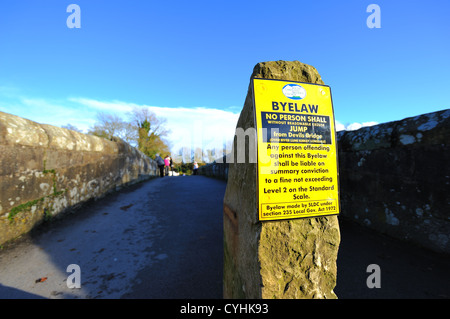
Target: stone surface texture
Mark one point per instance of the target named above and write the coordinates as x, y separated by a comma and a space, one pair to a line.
395, 178
280, 259
47, 170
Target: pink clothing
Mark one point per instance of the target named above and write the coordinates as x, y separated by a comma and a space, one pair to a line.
167, 161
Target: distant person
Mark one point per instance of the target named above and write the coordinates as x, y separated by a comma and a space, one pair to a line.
160, 163
167, 164
195, 168
171, 165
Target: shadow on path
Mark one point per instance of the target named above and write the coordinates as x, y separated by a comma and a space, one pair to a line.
159, 239
407, 271
163, 239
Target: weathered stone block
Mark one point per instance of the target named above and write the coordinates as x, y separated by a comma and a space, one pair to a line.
395, 178
280, 259
47, 170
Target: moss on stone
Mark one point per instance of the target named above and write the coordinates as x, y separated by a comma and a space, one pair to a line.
23, 207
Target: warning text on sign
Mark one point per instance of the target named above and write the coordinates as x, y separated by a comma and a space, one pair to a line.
297, 154
295, 128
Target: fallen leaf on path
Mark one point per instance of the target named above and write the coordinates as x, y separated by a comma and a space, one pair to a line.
42, 279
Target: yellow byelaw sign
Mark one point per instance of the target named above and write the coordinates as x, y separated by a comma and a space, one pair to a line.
297, 153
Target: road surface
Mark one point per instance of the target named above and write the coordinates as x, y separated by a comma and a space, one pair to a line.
158, 239
164, 239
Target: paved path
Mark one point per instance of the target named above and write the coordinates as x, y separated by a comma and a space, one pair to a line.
159, 239
163, 239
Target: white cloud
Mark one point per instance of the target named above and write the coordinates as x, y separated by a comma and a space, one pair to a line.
369, 124
203, 127
113, 106
353, 126
198, 127
339, 126
191, 127
45, 111
207, 128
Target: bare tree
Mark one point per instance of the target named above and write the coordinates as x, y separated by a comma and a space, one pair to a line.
150, 130
71, 127
140, 115
108, 125
144, 130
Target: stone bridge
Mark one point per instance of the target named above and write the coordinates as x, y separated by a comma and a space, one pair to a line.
69, 199
162, 238
394, 178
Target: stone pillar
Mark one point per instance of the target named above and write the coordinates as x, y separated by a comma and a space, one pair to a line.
277, 259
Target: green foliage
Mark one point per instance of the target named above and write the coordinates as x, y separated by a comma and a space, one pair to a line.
47, 215
144, 130
185, 168
14, 211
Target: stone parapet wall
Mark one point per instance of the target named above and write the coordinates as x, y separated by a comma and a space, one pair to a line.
46, 170
395, 178
217, 169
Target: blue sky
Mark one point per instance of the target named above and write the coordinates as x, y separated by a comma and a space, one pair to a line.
190, 61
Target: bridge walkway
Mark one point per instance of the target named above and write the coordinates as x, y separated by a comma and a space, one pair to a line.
163, 239
159, 239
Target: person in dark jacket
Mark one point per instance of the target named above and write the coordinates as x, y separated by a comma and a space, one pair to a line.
160, 163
